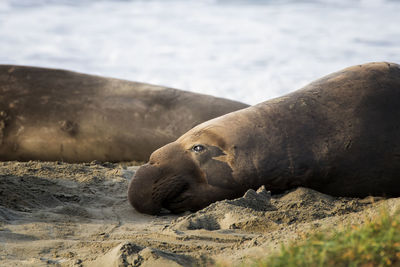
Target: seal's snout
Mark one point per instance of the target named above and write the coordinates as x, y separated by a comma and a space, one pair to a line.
140, 191
160, 181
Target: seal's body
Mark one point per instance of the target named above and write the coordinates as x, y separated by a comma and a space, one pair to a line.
339, 135
48, 114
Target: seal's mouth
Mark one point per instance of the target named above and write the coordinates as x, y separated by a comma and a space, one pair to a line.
170, 193
176, 202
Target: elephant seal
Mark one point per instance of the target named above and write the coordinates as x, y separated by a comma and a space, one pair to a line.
339, 135
58, 115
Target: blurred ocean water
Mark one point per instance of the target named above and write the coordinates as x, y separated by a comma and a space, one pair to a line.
244, 50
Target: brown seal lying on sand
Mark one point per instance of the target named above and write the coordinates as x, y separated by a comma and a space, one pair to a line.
339, 135
48, 114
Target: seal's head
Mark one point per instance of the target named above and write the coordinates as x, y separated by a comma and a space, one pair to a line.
187, 174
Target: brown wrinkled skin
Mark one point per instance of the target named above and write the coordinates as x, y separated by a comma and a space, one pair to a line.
48, 114
339, 135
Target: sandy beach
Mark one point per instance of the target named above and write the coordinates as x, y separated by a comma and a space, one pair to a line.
59, 214
63, 214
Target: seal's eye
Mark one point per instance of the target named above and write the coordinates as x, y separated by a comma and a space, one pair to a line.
198, 148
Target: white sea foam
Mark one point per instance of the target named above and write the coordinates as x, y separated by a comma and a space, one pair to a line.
244, 50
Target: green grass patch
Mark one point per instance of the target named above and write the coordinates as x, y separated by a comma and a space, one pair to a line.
375, 243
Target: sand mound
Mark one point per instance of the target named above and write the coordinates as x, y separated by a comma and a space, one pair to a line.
129, 254
239, 213
259, 212
78, 215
